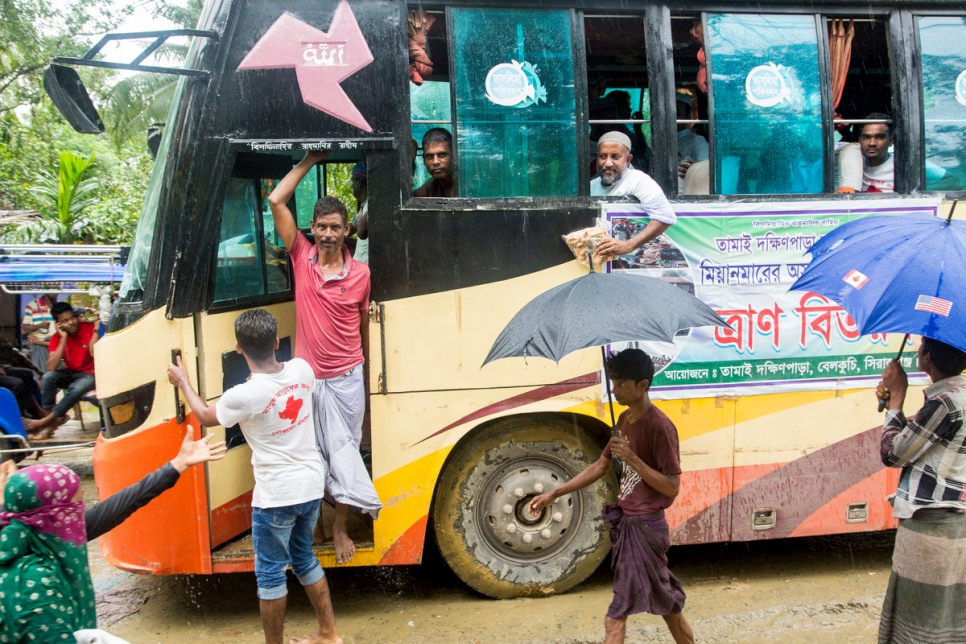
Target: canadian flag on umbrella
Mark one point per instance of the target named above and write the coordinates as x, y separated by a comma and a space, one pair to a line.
856, 279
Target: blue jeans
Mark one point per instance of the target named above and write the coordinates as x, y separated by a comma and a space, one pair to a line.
77, 383
283, 536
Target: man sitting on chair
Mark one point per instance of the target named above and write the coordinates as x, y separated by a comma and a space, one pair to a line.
74, 345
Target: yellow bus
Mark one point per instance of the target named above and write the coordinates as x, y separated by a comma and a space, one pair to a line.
777, 421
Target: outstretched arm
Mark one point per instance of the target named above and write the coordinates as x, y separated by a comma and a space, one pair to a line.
114, 510
591, 474
285, 224
178, 376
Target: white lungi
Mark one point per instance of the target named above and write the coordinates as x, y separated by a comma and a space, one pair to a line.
340, 405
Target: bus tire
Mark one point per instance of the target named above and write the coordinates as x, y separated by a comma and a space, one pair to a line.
483, 491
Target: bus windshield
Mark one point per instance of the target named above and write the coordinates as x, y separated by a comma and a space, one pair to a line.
136, 276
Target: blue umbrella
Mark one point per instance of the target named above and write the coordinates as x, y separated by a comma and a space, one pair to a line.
899, 274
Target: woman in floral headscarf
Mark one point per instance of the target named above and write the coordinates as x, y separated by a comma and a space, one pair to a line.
45, 585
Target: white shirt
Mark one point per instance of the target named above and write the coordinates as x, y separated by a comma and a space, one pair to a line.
692, 146
275, 414
636, 183
362, 245
881, 178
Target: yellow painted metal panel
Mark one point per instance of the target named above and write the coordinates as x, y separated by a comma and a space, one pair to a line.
232, 476
140, 354
439, 341
783, 427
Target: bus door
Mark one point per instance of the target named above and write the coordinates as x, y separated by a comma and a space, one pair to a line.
251, 269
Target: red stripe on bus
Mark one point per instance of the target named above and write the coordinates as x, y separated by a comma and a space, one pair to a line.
526, 398
797, 490
407, 549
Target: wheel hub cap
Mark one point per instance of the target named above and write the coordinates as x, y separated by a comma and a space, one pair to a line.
508, 519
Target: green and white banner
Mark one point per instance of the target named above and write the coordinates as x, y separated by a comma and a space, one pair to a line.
741, 259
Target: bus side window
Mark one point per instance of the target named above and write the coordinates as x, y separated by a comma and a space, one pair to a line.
516, 117
618, 95
943, 42
429, 93
860, 77
250, 260
691, 104
239, 261
766, 103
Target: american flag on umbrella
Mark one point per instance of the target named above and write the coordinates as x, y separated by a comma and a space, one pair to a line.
934, 305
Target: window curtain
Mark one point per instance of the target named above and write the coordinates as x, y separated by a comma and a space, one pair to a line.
840, 55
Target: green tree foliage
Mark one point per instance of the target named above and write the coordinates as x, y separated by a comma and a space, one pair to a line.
338, 183
135, 103
34, 136
32, 31
63, 198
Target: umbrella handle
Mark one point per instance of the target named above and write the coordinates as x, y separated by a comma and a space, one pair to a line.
616, 462
882, 401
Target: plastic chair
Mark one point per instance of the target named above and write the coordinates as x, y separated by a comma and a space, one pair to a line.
10, 421
12, 434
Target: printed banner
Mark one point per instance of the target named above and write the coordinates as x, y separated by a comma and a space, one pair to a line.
741, 259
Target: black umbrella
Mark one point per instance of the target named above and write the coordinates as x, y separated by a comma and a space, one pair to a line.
599, 309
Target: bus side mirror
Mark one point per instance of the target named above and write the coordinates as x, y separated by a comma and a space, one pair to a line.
68, 93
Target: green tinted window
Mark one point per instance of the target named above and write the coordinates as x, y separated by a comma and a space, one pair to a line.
516, 122
251, 260
943, 42
239, 263
767, 103
306, 194
430, 106
276, 259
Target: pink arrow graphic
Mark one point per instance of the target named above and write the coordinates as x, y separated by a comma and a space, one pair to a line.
321, 59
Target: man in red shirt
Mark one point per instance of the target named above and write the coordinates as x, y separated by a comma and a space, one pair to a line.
650, 479
74, 345
332, 335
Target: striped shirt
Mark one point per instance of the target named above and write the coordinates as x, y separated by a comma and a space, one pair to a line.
930, 449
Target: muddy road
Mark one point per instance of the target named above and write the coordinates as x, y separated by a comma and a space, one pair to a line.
808, 590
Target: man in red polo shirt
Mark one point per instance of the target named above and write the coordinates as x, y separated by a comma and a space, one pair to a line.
74, 345
332, 335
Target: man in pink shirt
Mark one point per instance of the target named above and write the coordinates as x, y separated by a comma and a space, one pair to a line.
332, 335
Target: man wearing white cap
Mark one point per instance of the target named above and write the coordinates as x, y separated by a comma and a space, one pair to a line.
616, 178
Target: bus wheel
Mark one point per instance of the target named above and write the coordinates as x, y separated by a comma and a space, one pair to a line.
480, 518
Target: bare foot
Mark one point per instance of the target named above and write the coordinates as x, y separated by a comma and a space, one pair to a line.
44, 433
345, 550
315, 638
45, 427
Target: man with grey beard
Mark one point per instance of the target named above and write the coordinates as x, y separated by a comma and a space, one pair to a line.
616, 178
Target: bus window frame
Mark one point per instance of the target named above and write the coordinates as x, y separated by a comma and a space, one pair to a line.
910, 25
263, 299
828, 171
581, 115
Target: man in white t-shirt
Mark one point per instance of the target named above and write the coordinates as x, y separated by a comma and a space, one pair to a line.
615, 178
274, 410
878, 166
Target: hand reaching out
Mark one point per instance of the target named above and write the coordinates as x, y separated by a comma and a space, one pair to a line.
610, 247
195, 452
